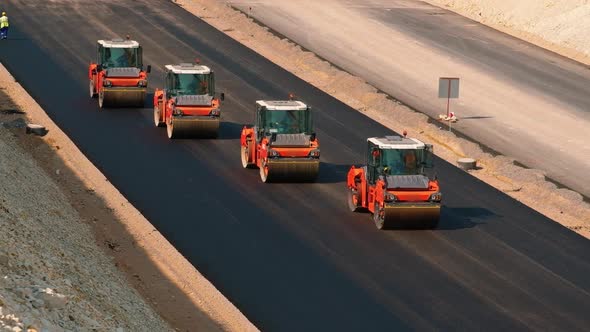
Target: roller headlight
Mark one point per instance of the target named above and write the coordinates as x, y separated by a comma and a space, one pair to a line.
142, 83
273, 153
315, 153
389, 197
215, 112
436, 197
107, 83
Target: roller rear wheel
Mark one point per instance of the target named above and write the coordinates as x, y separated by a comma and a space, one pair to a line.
157, 117
264, 172
245, 152
101, 99
353, 200
93, 94
379, 216
170, 129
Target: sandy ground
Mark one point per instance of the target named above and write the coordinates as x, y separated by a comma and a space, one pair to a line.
558, 25
74, 254
525, 185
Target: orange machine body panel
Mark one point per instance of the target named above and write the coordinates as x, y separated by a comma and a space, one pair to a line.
371, 193
98, 78
260, 151
166, 106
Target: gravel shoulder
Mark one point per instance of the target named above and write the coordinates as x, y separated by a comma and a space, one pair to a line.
75, 254
528, 186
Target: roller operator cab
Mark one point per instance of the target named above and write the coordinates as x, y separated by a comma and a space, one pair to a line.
118, 78
282, 143
188, 105
393, 184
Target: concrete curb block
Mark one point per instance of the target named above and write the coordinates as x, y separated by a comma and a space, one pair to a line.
466, 163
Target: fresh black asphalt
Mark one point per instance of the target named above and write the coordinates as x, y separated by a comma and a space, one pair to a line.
290, 256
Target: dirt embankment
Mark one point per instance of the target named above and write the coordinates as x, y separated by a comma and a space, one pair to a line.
52, 275
526, 185
558, 25
75, 254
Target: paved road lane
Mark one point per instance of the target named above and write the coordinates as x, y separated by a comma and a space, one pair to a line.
291, 256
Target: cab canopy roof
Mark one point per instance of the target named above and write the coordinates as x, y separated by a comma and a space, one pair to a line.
397, 143
188, 68
119, 43
282, 105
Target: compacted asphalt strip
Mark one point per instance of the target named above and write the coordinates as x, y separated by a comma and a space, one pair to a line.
292, 257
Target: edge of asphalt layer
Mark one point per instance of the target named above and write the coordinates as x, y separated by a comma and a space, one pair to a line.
202, 292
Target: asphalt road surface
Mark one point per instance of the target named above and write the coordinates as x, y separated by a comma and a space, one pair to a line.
291, 256
523, 101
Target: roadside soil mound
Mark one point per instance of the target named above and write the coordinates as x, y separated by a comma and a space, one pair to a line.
53, 277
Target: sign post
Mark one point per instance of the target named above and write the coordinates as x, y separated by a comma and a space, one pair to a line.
448, 87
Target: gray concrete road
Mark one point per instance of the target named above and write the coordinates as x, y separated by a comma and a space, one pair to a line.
518, 99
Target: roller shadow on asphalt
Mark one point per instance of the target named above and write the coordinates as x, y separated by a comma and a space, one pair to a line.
332, 173
149, 100
455, 218
476, 117
230, 130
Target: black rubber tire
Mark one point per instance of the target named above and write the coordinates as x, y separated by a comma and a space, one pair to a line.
170, 130
93, 94
101, 99
245, 163
157, 121
264, 174
349, 198
377, 219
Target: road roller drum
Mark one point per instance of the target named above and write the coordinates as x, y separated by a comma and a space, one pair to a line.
180, 127
285, 170
411, 216
121, 97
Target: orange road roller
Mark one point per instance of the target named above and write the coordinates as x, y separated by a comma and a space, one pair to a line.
187, 105
282, 143
393, 184
118, 78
